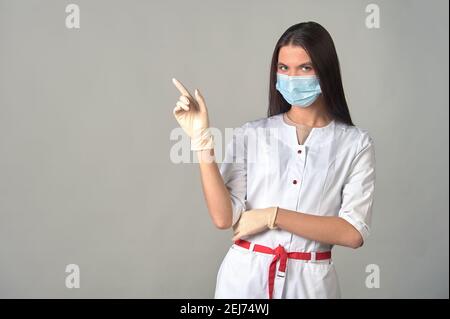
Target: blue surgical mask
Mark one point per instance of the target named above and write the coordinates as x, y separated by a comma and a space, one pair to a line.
298, 90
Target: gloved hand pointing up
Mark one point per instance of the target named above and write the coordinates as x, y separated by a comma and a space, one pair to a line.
192, 115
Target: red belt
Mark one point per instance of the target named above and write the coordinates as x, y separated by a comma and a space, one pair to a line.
282, 255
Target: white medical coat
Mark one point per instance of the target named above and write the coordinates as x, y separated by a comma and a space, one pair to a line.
331, 174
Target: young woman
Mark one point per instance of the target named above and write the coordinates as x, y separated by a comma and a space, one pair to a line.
294, 191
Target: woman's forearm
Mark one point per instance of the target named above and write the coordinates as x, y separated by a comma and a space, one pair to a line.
326, 229
216, 194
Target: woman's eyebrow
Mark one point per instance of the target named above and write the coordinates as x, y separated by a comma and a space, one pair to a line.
303, 64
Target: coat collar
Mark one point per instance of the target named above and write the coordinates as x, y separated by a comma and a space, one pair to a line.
316, 136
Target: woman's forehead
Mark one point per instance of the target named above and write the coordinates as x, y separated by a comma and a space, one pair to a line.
293, 55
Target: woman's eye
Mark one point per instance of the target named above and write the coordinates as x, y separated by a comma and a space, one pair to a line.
306, 68
283, 67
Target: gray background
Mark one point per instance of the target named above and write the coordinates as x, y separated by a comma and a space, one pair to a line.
85, 118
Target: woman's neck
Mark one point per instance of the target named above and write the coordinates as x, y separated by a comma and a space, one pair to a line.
314, 115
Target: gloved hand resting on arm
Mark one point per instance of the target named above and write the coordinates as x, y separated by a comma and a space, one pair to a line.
255, 221
192, 115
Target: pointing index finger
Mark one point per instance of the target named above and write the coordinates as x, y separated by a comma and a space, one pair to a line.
181, 88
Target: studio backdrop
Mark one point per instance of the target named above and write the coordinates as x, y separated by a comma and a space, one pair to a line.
90, 187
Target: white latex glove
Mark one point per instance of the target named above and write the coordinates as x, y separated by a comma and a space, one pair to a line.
192, 115
255, 221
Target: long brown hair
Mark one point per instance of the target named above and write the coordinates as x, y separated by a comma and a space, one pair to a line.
317, 42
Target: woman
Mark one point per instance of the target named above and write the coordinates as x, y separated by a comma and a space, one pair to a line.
291, 185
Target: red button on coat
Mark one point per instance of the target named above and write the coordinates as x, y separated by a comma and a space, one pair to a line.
299, 151
294, 181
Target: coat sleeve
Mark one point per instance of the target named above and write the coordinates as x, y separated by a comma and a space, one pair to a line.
359, 187
234, 171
